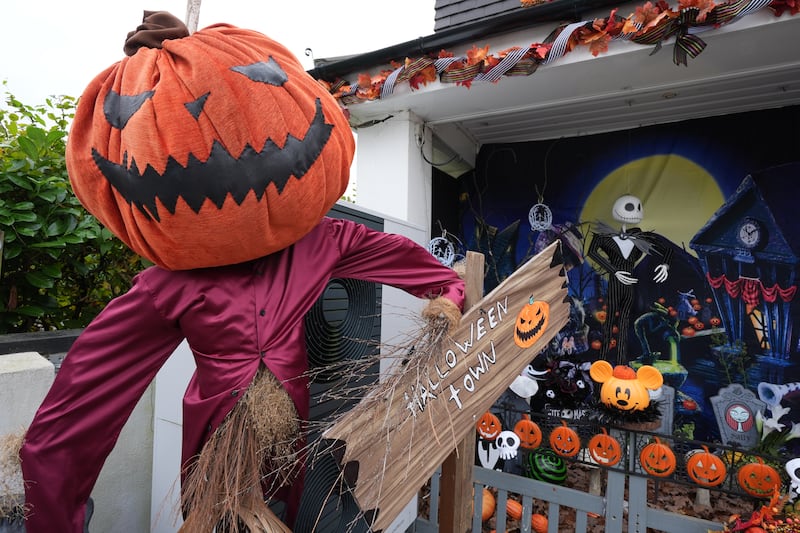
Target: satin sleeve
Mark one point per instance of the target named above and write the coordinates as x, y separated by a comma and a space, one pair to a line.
392, 259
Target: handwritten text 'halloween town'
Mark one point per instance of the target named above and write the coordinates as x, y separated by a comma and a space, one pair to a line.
421, 393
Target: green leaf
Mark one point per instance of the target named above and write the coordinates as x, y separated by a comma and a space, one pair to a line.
52, 270
39, 280
30, 310
29, 147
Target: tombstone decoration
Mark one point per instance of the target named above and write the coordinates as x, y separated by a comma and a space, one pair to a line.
735, 410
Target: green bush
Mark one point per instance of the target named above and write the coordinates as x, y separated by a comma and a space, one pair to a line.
59, 265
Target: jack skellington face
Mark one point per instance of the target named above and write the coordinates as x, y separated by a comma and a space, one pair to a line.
628, 209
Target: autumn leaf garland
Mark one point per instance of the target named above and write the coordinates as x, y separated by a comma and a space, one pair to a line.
650, 24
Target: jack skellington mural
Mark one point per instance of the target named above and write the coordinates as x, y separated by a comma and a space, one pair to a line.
618, 252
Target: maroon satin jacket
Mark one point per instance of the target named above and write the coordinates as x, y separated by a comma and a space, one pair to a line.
233, 317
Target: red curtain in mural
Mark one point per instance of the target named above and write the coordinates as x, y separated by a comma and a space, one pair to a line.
751, 289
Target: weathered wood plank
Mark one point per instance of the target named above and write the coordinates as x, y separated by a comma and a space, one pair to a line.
398, 435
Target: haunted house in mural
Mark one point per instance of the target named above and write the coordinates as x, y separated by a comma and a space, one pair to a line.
750, 252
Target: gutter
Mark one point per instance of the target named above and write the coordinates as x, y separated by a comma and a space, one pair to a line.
555, 10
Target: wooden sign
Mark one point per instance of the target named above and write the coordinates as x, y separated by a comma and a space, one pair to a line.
388, 445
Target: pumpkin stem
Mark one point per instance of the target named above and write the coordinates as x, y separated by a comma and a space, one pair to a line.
156, 27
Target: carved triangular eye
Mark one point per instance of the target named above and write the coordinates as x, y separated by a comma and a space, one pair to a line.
119, 108
265, 72
196, 107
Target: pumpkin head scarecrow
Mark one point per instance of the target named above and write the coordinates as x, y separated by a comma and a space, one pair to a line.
217, 157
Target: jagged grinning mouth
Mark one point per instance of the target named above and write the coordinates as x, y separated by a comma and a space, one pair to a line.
527, 335
220, 175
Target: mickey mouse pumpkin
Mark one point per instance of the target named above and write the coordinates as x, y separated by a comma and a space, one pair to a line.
215, 148
624, 388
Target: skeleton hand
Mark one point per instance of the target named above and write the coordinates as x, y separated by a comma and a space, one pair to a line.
661, 273
625, 277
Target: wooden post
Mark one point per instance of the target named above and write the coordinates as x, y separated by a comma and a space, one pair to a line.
192, 14
455, 493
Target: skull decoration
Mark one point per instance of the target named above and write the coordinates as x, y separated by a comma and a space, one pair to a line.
508, 443
628, 209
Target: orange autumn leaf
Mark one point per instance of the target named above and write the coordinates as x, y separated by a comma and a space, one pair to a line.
540, 50
600, 46
444, 53
476, 55
423, 77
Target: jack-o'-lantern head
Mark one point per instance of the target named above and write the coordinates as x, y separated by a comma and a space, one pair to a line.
658, 459
605, 449
488, 426
531, 322
207, 149
565, 441
759, 479
624, 388
705, 468
529, 433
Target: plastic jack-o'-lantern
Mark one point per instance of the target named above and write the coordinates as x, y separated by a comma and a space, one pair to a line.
657, 459
624, 388
531, 322
488, 426
759, 479
529, 433
604, 449
705, 468
210, 149
565, 441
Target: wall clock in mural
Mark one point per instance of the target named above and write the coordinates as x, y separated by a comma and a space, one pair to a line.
750, 233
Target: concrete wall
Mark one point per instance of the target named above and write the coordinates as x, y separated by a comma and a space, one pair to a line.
122, 492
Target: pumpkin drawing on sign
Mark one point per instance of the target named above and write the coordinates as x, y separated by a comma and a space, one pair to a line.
531, 323
529, 433
623, 387
705, 468
759, 479
605, 449
488, 426
658, 459
199, 154
565, 441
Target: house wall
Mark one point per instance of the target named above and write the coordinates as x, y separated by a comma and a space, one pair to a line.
122, 492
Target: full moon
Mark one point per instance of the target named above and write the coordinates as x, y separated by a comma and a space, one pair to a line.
678, 196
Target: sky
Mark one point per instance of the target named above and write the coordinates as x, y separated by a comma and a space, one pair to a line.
52, 47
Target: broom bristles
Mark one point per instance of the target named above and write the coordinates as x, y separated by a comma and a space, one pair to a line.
255, 443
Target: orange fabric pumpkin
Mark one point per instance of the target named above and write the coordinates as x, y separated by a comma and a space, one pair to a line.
215, 149
531, 322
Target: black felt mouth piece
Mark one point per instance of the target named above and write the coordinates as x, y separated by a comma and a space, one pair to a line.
220, 175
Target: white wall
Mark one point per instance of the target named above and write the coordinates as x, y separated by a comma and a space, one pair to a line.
122, 492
